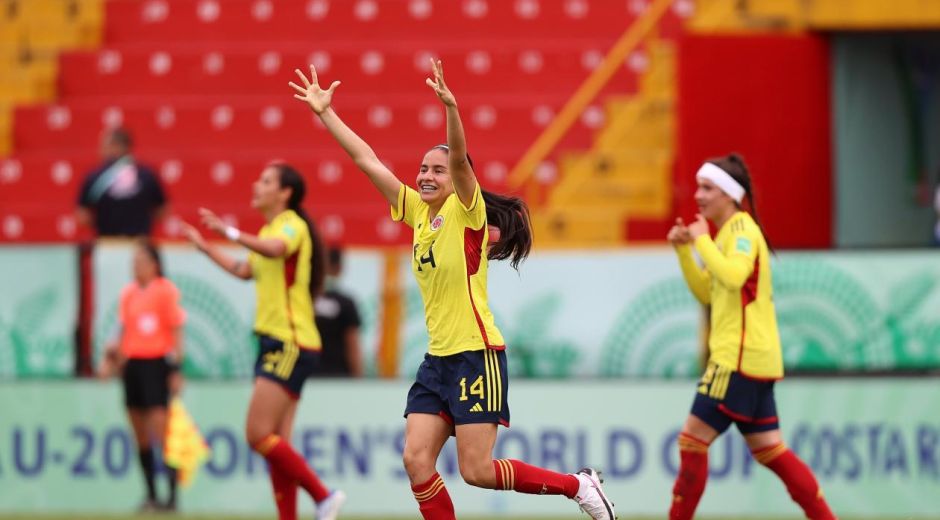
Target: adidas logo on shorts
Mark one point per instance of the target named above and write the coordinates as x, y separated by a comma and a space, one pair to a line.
476, 408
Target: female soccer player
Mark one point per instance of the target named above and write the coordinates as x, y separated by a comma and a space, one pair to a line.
745, 357
462, 385
149, 352
286, 261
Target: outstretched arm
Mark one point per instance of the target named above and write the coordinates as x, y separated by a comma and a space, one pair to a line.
238, 268
320, 102
465, 182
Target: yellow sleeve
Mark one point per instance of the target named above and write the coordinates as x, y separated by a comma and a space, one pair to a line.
731, 270
696, 278
407, 206
476, 212
291, 232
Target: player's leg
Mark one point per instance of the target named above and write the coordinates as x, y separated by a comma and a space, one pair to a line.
702, 426
694, 439
269, 404
425, 435
763, 437
284, 487
427, 427
478, 395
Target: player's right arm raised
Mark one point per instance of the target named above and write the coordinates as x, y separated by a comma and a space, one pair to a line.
320, 101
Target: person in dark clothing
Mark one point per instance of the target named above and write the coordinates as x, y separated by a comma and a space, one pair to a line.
120, 197
338, 321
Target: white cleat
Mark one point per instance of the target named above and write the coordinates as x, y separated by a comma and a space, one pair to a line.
591, 497
328, 509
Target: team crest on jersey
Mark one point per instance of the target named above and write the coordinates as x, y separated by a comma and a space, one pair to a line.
437, 222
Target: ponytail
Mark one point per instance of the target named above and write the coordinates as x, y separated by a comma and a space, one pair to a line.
291, 178
736, 167
511, 216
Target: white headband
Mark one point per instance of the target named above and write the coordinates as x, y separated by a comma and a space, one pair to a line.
721, 179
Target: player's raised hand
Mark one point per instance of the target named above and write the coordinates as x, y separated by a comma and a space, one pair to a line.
679, 234
699, 227
193, 235
212, 221
318, 99
438, 85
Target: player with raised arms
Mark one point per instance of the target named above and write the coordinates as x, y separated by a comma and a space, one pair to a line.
461, 387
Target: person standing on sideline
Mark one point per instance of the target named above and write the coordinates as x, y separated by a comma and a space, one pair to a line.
338, 322
462, 387
148, 354
745, 358
286, 261
120, 197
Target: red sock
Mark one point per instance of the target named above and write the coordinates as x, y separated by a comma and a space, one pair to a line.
285, 495
693, 474
799, 479
524, 478
281, 457
433, 500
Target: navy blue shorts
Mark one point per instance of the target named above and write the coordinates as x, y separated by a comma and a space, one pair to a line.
725, 396
285, 363
465, 388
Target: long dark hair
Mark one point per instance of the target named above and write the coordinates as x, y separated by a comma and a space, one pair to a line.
291, 178
147, 246
511, 216
735, 166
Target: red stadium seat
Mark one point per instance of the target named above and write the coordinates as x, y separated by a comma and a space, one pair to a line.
202, 85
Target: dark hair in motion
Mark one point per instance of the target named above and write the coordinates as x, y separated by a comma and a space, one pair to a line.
291, 178
511, 216
735, 166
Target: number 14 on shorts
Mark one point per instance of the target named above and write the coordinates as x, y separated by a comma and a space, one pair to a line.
476, 388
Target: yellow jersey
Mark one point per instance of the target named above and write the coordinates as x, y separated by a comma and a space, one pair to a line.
736, 282
449, 263
282, 285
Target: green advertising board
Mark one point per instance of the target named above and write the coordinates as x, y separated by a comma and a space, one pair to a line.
38, 311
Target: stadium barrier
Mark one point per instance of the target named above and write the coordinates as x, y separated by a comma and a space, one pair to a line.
597, 314
65, 447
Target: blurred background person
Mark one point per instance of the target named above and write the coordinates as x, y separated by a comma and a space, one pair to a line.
147, 354
120, 197
338, 321
936, 207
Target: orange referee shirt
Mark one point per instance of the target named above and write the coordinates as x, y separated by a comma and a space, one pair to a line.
149, 316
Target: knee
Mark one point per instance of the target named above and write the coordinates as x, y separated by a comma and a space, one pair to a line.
254, 435
418, 464
478, 473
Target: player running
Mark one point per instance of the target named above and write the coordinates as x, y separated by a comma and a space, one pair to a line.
462, 385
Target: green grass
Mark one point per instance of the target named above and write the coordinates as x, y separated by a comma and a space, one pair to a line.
232, 517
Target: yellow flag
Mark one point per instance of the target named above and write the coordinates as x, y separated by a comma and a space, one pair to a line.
186, 449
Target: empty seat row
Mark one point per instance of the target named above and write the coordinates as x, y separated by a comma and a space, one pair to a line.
310, 20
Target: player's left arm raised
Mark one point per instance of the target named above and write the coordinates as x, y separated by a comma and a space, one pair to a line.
465, 182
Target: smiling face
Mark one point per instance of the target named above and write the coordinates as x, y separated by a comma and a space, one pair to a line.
267, 192
713, 203
433, 182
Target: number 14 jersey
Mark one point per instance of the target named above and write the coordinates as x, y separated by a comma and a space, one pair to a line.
449, 263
